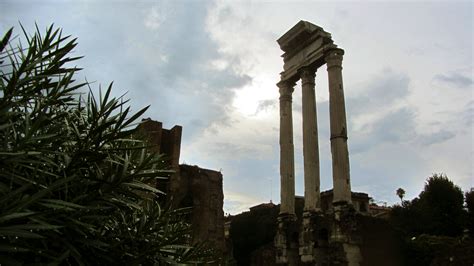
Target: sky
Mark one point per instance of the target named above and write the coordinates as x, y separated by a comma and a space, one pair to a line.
212, 66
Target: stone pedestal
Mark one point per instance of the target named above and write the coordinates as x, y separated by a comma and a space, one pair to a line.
286, 240
308, 237
344, 238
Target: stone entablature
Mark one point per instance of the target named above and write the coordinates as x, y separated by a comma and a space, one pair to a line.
305, 45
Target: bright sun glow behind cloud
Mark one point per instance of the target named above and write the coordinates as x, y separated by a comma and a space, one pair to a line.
248, 99
245, 101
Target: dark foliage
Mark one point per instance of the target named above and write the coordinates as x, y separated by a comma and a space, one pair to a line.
382, 245
75, 186
432, 250
470, 212
437, 211
432, 225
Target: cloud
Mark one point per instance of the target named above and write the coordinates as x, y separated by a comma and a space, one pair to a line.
212, 67
436, 137
161, 54
397, 126
453, 80
264, 105
379, 93
154, 18
238, 202
375, 114
468, 114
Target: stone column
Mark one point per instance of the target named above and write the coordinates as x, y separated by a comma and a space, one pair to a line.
287, 160
337, 113
310, 141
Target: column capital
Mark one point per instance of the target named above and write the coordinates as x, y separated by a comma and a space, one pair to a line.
307, 75
334, 57
286, 89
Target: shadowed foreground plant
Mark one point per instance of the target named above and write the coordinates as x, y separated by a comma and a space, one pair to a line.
75, 187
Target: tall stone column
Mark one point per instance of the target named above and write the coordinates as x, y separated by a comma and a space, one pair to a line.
287, 160
310, 141
337, 113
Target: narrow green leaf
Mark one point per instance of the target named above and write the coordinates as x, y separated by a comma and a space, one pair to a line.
31, 227
5, 39
19, 233
143, 186
12, 248
15, 215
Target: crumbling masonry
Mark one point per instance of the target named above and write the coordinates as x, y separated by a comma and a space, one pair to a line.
189, 186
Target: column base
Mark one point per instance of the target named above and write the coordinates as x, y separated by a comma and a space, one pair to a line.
314, 238
286, 240
308, 238
345, 240
344, 223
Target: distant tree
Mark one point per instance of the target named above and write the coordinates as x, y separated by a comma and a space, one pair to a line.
401, 194
442, 204
76, 186
469, 198
438, 210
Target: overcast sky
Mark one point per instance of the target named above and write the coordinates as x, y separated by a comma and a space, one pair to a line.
211, 66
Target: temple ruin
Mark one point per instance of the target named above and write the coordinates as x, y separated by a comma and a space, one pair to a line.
322, 237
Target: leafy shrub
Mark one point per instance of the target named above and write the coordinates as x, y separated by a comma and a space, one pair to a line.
75, 186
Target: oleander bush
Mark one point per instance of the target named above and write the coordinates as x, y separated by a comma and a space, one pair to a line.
75, 186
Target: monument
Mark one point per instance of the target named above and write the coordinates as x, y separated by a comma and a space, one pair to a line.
321, 237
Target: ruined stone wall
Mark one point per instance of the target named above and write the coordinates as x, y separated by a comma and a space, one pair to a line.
189, 186
167, 142
360, 201
161, 140
203, 191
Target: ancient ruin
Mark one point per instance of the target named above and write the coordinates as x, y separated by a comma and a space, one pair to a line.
189, 186
322, 237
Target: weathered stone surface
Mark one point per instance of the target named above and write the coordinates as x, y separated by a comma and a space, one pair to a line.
202, 190
360, 201
306, 48
373, 238
189, 186
286, 240
164, 141
310, 141
338, 125
304, 45
287, 157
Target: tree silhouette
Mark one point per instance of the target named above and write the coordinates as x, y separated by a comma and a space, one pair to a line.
442, 203
470, 211
438, 210
400, 193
